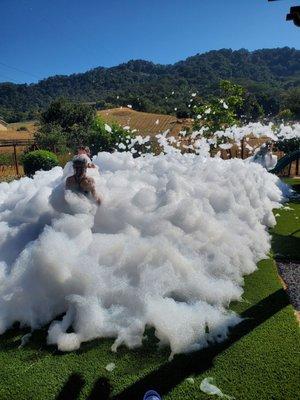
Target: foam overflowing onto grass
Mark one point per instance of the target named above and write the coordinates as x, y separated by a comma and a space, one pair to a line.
168, 248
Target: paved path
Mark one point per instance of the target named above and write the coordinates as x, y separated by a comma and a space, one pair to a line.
290, 273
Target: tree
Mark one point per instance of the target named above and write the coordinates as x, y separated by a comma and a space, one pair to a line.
51, 137
221, 112
267, 74
285, 115
67, 114
104, 137
292, 101
64, 125
250, 110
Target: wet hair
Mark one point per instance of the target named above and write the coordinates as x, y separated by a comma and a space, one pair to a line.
79, 161
85, 148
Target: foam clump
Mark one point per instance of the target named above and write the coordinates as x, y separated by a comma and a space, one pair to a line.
168, 249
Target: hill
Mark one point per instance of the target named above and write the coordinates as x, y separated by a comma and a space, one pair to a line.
267, 74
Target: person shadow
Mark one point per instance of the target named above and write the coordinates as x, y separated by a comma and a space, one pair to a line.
184, 365
75, 383
286, 247
72, 388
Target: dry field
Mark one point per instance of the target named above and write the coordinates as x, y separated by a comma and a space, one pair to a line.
145, 123
8, 172
12, 133
31, 127
152, 124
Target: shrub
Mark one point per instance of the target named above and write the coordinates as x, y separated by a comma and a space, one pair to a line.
287, 145
285, 115
37, 160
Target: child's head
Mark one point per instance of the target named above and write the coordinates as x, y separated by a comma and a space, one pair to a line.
79, 165
83, 150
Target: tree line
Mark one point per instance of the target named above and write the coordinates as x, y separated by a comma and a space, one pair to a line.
270, 77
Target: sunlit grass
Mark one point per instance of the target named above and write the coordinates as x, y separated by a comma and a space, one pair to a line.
258, 362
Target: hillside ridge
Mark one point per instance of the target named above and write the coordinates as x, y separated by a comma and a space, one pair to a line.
265, 73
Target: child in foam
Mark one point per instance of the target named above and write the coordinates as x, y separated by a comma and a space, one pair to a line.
86, 152
80, 182
92, 169
265, 157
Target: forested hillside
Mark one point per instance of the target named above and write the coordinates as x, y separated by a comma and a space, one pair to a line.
271, 77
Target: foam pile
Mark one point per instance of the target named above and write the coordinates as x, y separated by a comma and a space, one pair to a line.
257, 129
168, 248
235, 134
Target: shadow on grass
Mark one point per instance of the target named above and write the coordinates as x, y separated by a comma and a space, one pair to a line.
173, 373
295, 232
169, 375
296, 188
101, 390
286, 247
72, 388
295, 199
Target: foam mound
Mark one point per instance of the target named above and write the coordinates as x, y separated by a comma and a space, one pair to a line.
168, 249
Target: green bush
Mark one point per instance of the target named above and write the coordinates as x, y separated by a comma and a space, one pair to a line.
287, 145
37, 160
285, 115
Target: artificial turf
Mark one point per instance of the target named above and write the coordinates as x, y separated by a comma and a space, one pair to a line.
286, 233
260, 360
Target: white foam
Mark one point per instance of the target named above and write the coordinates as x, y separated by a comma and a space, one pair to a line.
168, 248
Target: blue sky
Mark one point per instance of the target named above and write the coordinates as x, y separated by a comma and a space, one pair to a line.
39, 38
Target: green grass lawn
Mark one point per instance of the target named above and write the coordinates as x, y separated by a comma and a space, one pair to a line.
292, 181
286, 233
260, 360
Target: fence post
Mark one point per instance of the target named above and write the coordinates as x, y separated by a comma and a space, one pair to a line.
16, 160
242, 145
290, 167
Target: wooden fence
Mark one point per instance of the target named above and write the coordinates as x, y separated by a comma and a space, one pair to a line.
235, 151
13, 145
